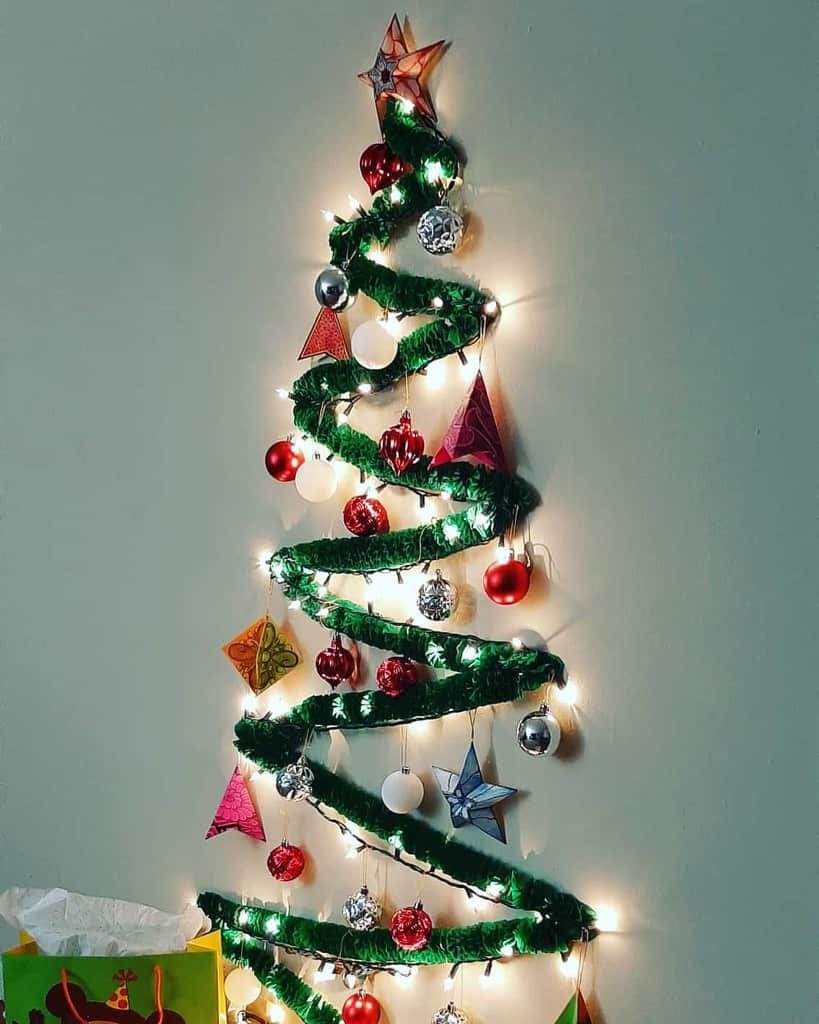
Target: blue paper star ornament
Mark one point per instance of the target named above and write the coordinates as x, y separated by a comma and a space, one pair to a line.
471, 800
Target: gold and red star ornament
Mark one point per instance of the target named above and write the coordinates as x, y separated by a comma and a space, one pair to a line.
397, 72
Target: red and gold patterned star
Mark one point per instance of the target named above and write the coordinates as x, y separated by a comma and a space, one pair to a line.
397, 72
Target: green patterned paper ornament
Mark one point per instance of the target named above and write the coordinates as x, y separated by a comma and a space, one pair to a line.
576, 1011
261, 655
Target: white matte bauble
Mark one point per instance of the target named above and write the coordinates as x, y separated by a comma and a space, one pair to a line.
402, 792
316, 480
373, 346
242, 987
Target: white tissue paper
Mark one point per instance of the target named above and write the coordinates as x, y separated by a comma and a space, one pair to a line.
68, 924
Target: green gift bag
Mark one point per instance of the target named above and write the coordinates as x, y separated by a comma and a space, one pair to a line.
169, 988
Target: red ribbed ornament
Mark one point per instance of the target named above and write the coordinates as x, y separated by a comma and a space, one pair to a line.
410, 927
285, 862
361, 1008
396, 675
506, 582
380, 167
401, 446
364, 515
335, 664
282, 460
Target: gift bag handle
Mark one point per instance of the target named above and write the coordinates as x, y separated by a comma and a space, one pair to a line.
75, 1013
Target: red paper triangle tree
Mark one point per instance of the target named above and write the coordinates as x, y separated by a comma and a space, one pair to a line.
473, 431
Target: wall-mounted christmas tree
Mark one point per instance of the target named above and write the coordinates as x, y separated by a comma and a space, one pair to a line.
413, 173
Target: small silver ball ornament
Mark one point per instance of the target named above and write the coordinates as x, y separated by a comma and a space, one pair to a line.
295, 781
539, 732
333, 289
437, 598
361, 911
440, 230
450, 1014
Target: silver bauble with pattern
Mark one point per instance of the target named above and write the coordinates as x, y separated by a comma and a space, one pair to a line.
361, 911
295, 781
539, 732
333, 289
440, 230
450, 1014
437, 598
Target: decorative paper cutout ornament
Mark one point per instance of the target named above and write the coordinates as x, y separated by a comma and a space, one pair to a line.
401, 446
285, 862
261, 655
471, 800
397, 72
576, 1011
119, 999
473, 431
380, 167
361, 1008
236, 810
326, 338
410, 927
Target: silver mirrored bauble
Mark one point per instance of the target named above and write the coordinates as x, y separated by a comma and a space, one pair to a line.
440, 230
295, 781
361, 911
333, 289
450, 1014
437, 598
539, 732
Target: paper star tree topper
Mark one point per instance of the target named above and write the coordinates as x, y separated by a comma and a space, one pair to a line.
236, 810
397, 72
473, 431
471, 800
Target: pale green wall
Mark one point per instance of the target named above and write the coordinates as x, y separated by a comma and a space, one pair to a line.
641, 172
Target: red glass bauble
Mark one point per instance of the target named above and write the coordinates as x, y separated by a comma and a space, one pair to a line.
364, 516
285, 862
282, 460
506, 582
410, 927
401, 446
361, 1008
380, 167
335, 664
396, 675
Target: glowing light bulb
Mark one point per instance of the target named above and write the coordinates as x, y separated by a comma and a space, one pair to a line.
275, 1013
507, 950
323, 590
496, 889
608, 920
470, 653
490, 308
446, 495
437, 302
433, 172
376, 255
426, 513
273, 925
365, 387
395, 195
407, 106
503, 554
449, 983
341, 418
294, 605
486, 977
517, 643
467, 369
569, 694
328, 215
283, 392
355, 205
242, 917
435, 375
249, 703
323, 612
451, 532
568, 967
263, 560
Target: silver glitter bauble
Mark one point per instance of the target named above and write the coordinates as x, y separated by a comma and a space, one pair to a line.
450, 1014
295, 781
361, 911
333, 289
539, 732
440, 230
437, 598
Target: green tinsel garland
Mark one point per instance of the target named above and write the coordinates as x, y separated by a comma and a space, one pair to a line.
325, 940
497, 674
246, 951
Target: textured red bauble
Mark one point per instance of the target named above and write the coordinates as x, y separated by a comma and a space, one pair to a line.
410, 927
365, 515
285, 862
282, 460
335, 664
361, 1008
380, 167
396, 675
401, 446
506, 582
